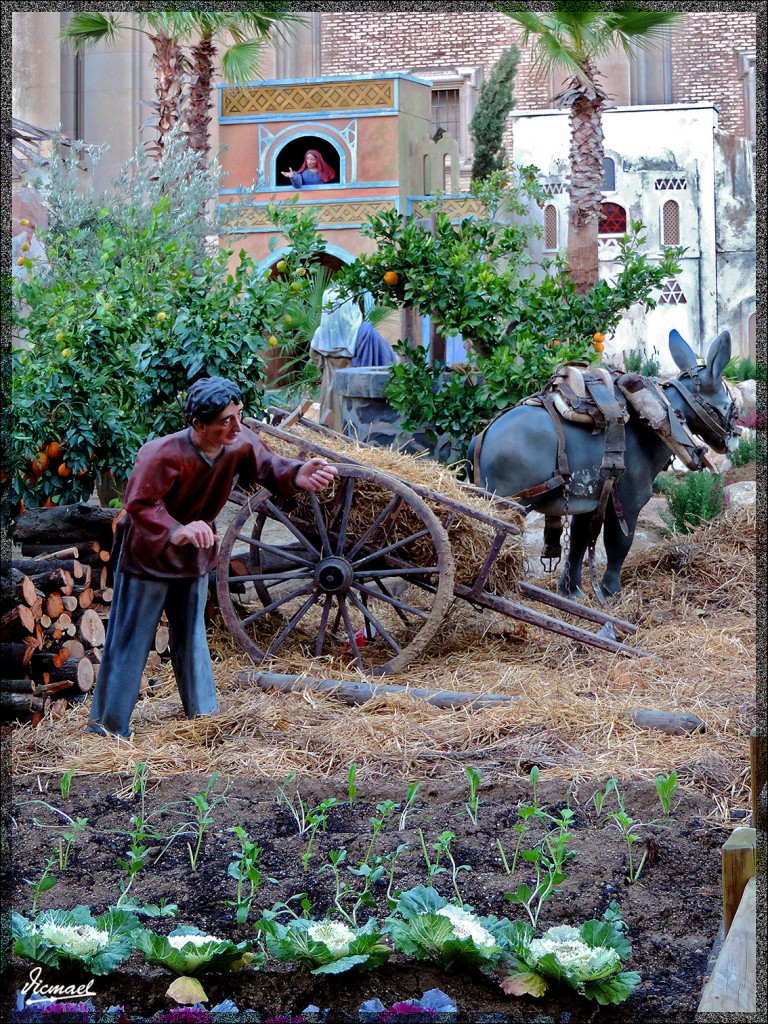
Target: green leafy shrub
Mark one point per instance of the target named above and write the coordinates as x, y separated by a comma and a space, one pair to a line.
691, 501
188, 952
131, 305
61, 937
743, 368
586, 959
745, 452
429, 927
326, 947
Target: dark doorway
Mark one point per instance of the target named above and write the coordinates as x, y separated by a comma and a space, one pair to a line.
292, 155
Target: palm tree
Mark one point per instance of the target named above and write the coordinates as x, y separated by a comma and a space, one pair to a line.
183, 83
572, 38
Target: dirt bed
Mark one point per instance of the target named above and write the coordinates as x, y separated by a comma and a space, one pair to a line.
672, 910
693, 600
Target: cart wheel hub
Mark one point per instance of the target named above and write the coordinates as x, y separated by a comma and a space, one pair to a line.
334, 575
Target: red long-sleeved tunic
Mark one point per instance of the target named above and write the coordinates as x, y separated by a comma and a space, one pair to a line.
172, 484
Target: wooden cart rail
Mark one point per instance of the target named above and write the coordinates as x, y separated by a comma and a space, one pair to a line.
326, 565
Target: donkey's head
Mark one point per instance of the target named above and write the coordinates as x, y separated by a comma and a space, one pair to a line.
712, 404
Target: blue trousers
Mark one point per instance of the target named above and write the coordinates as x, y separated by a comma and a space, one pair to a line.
137, 604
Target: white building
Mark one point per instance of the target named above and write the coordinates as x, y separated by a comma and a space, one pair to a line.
690, 184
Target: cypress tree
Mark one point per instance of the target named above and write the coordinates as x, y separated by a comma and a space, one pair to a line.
490, 118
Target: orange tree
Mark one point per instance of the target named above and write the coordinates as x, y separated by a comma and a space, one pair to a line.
474, 278
126, 310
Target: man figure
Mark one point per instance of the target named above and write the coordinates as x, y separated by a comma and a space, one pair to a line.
167, 545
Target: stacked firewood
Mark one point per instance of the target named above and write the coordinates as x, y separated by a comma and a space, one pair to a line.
55, 602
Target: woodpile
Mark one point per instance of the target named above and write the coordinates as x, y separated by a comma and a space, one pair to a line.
55, 602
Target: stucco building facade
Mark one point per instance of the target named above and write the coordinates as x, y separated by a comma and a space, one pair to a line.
706, 65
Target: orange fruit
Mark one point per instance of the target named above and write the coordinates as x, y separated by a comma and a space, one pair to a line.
54, 450
555, 342
391, 278
598, 337
598, 346
64, 470
39, 464
49, 503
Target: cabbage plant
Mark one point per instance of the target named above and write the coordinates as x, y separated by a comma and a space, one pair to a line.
326, 947
428, 927
189, 952
587, 959
59, 937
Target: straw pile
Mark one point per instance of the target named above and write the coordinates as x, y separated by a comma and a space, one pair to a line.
694, 600
470, 538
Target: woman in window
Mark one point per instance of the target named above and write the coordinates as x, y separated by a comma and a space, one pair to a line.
314, 171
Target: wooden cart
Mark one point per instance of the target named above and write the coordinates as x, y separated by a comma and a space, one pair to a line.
343, 575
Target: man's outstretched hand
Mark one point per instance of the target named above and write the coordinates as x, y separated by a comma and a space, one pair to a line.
315, 475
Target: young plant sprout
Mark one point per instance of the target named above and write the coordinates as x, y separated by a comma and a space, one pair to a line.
410, 797
666, 787
472, 804
625, 824
317, 819
66, 783
352, 784
245, 869
68, 840
45, 882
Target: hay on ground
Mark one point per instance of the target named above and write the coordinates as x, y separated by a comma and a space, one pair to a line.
570, 717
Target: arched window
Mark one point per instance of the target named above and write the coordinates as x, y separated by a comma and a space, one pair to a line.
613, 220
447, 176
550, 226
670, 223
609, 174
291, 156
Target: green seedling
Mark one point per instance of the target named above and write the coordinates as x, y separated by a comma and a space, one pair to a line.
135, 859
524, 813
626, 825
295, 804
203, 816
45, 882
68, 840
666, 787
244, 868
317, 819
443, 846
410, 797
433, 866
66, 783
385, 809
352, 784
472, 804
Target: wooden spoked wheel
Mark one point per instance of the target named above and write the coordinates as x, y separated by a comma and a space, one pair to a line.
359, 574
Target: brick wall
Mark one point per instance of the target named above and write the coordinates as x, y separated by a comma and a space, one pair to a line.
705, 51
705, 62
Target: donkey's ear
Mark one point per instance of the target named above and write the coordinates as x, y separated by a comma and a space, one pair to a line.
684, 356
717, 359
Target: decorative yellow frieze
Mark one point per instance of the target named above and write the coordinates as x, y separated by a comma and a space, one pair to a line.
311, 98
255, 218
465, 206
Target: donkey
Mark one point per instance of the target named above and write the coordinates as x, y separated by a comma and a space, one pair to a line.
519, 452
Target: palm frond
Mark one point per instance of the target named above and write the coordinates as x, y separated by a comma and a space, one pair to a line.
87, 28
241, 61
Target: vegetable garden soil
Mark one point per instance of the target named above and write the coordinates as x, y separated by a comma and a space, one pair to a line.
672, 910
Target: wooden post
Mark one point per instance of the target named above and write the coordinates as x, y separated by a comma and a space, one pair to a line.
732, 987
757, 763
738, 866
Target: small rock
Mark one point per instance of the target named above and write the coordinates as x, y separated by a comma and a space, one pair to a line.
742, 494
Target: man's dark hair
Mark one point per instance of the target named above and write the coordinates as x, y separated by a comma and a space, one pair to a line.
207, 397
